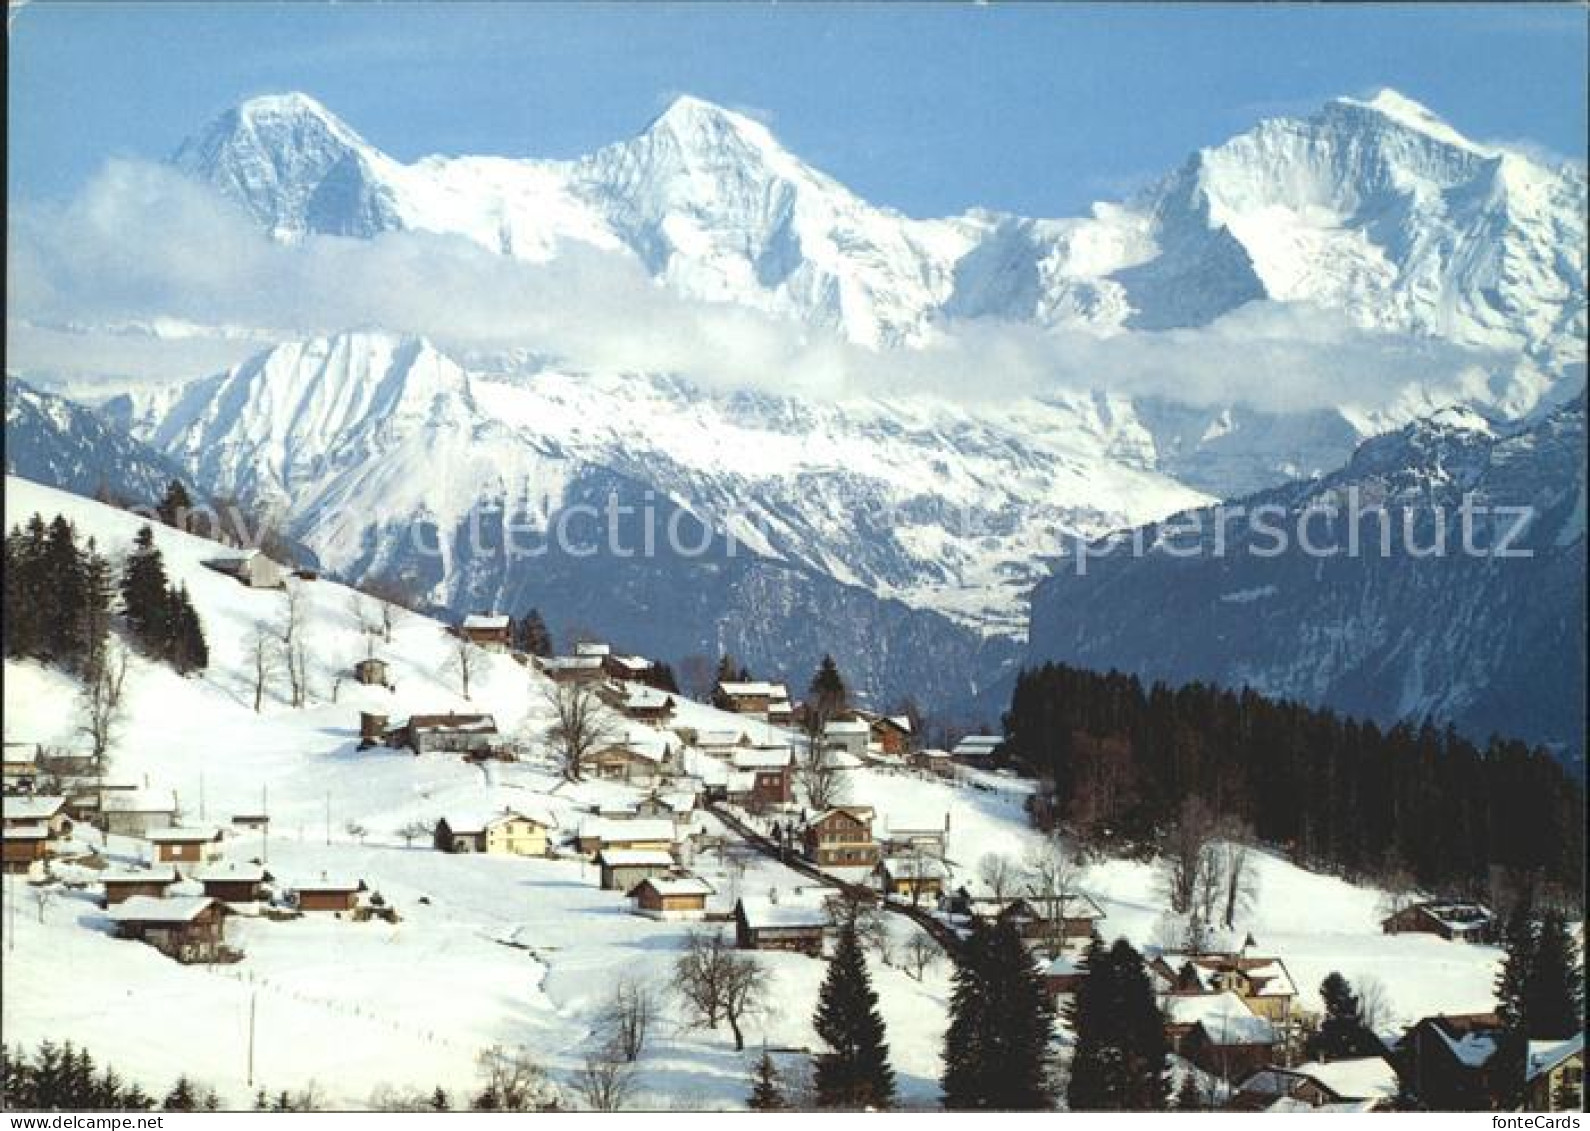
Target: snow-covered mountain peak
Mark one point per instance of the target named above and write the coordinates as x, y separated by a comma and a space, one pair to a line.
1398, 108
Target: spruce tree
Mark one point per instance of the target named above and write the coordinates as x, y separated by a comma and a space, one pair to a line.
854, 1073
144, 594
1342, 1034
997, 1046
966, 1071
438, 1100
182, 1097
174, 506
1120, 1058
65, 586
532, 635
827, 691
1552, 991
1518, 945
766, 1095
185, 645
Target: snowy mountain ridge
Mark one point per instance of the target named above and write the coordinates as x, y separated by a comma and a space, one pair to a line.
1374, 207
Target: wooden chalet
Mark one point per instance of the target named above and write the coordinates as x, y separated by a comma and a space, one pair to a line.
1071, 918
253, 569
450, 733
491, 631
19, 766
598, 834
848, 735
892, 734
1263, 983
186, 928
24, 810
1356, 1084
233, 881
671, 897
763, 776
799, 925
623, 868
752, 697
572, 669
1453, 1062
1554, 1075
121, 886
644, 704
640, 758
184, 846
841, 837
21, 846
1452, 920
335, 894
1219, 1033
977, 749
137, 812
371, 671
630, 669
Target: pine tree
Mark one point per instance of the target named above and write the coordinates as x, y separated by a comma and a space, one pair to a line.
26, 597
531, 634
174, 506
828, 693
766, 1095
66, 588
1342, 1034
997, 1045
1518, 945
186, 646
438, 1100
854, 1073
1552, 991
181, 1097
144, 594
1119, 1062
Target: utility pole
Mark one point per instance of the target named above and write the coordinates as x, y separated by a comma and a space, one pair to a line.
253, 1001
265, 812
328, 816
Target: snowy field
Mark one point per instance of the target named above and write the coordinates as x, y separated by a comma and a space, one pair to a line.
492, 950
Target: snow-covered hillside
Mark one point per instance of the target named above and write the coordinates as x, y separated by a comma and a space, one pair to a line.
491, 950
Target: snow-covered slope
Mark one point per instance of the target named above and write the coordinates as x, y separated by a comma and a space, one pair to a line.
1373, 207
488, 950
1430, 629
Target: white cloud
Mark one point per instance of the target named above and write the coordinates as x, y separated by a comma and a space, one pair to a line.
141, 243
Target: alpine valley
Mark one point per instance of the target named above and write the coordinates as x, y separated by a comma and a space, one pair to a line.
904, 529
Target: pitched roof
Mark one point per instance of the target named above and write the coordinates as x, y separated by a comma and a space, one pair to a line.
1358, 1078
977, 745
592, 648
485, 621
147, 909
761, 758
30, 807
480, 724
1224, 1017
1544, 1056
622, 832
675, 885
138, 801
761, 913
634, 858
166, 874
232, 871
753, 689
183, 836
330, 883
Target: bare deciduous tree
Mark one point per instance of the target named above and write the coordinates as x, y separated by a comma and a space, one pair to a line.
626, 1019
606, 1080
1000, 874
718, 983
581, 724
1374, 1002
1184, 847
101, 700
513, 1080
821, 776
1241, 878
1051, 881
413, 831
43, 898
263, 661
921, 954
294, 651
464, 662
357, 831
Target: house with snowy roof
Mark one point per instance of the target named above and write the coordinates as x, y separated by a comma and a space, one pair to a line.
671, 896
337, 894
915, 876
1554, 1075
19, 765
1219, 1033
253, 569
788, 920
186, 928
121, 884
233, 881
452, 733
754, 697
185, 846
849, 735
137, 812
22, 846
491, 631
623, 868
841, 837
1355, 1084
642, 757
1451, 1062
504, 832
643, 704
977, 749
763, 776
1263, 983
572, 669
597, 834
1454, 920
48, 810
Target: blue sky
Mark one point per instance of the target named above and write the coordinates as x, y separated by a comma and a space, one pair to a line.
930, 109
